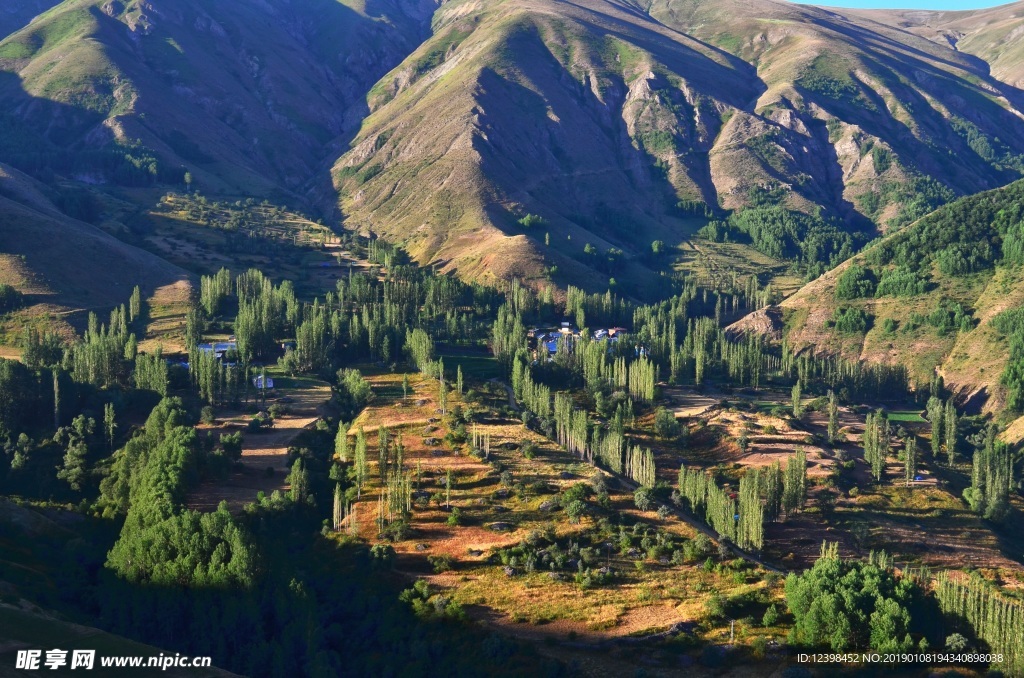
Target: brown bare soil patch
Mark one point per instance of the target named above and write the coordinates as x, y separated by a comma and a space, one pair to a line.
261, 451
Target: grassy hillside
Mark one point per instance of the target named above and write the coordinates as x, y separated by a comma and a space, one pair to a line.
600, 119
241, 94
77, 268
992, 35
938, 295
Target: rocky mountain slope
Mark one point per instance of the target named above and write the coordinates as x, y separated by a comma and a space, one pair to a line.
600, 116
499, 139
992, 35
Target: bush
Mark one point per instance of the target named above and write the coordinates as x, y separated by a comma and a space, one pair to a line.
10, 299
531, 220
715, 606
575, 510
529, 449
382, 554
856, 282
455, 517
771, 616
644, 498
440, 563
850, 321
666, 425
354, 393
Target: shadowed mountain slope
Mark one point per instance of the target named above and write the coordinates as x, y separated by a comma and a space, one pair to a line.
63, 265
247, 95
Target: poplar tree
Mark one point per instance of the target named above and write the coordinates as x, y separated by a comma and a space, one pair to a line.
56, 398
338, 507
341, 442
952, 432
833, 417
360, 461
910, 458
109, 423
935, 416
794, 492
993, 618
135, 304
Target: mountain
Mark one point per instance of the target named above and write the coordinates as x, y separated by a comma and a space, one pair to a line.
600, 116
15, 14
63, 265
992, 35
500, 139
245, 95
941, 296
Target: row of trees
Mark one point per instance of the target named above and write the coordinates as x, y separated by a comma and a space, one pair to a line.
991, 479
995, 619
945, 425
764, 495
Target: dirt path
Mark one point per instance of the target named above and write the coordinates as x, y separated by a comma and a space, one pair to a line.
508, 390
264, 463
689, 403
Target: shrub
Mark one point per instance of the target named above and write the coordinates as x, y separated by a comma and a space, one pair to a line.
10, 299
575, 510
440, 563
856, 282
382, 554
531, 220
850, 320
771, 616
666, 425
354, 392
644, 498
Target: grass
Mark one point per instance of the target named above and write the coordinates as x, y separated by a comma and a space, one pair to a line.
907, 416
474, 365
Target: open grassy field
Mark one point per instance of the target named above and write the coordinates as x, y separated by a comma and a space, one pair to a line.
501, 544
717, 265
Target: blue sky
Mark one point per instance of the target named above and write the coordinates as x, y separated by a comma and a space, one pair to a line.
906, 4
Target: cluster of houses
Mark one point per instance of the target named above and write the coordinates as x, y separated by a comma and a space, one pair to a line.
545, 340
221, 349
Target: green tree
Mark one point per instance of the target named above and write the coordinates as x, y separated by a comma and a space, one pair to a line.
341, 442
109, 424
833, 417
75, 440
910, 459
850, 605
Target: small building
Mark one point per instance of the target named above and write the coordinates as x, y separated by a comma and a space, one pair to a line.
258, 382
